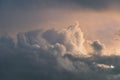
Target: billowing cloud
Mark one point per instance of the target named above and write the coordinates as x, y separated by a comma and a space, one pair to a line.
71, 37
58, 53
45, 54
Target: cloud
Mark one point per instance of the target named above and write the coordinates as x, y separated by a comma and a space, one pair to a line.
6, 41
97, 4
97, 47
55, 54
40, 55
92, 4
71, 37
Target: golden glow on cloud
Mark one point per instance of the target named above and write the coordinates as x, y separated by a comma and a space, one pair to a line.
96, 25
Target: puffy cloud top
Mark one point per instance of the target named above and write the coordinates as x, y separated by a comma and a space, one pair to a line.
51, 54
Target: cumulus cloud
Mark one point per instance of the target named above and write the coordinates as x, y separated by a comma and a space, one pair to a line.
71, 37
54, 54
97, 47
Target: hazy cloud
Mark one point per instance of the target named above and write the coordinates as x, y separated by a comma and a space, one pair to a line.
93, 4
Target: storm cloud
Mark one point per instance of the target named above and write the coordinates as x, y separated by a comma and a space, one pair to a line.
38, 45
40, 55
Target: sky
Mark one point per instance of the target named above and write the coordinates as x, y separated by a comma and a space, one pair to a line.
99, 19
70, 38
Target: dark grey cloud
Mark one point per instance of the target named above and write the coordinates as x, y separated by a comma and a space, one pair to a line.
20, 63
97, 47
95, 4
48, 55
51, 61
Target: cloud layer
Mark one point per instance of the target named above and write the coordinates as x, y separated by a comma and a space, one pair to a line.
57, 54
92, 4
54, 54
